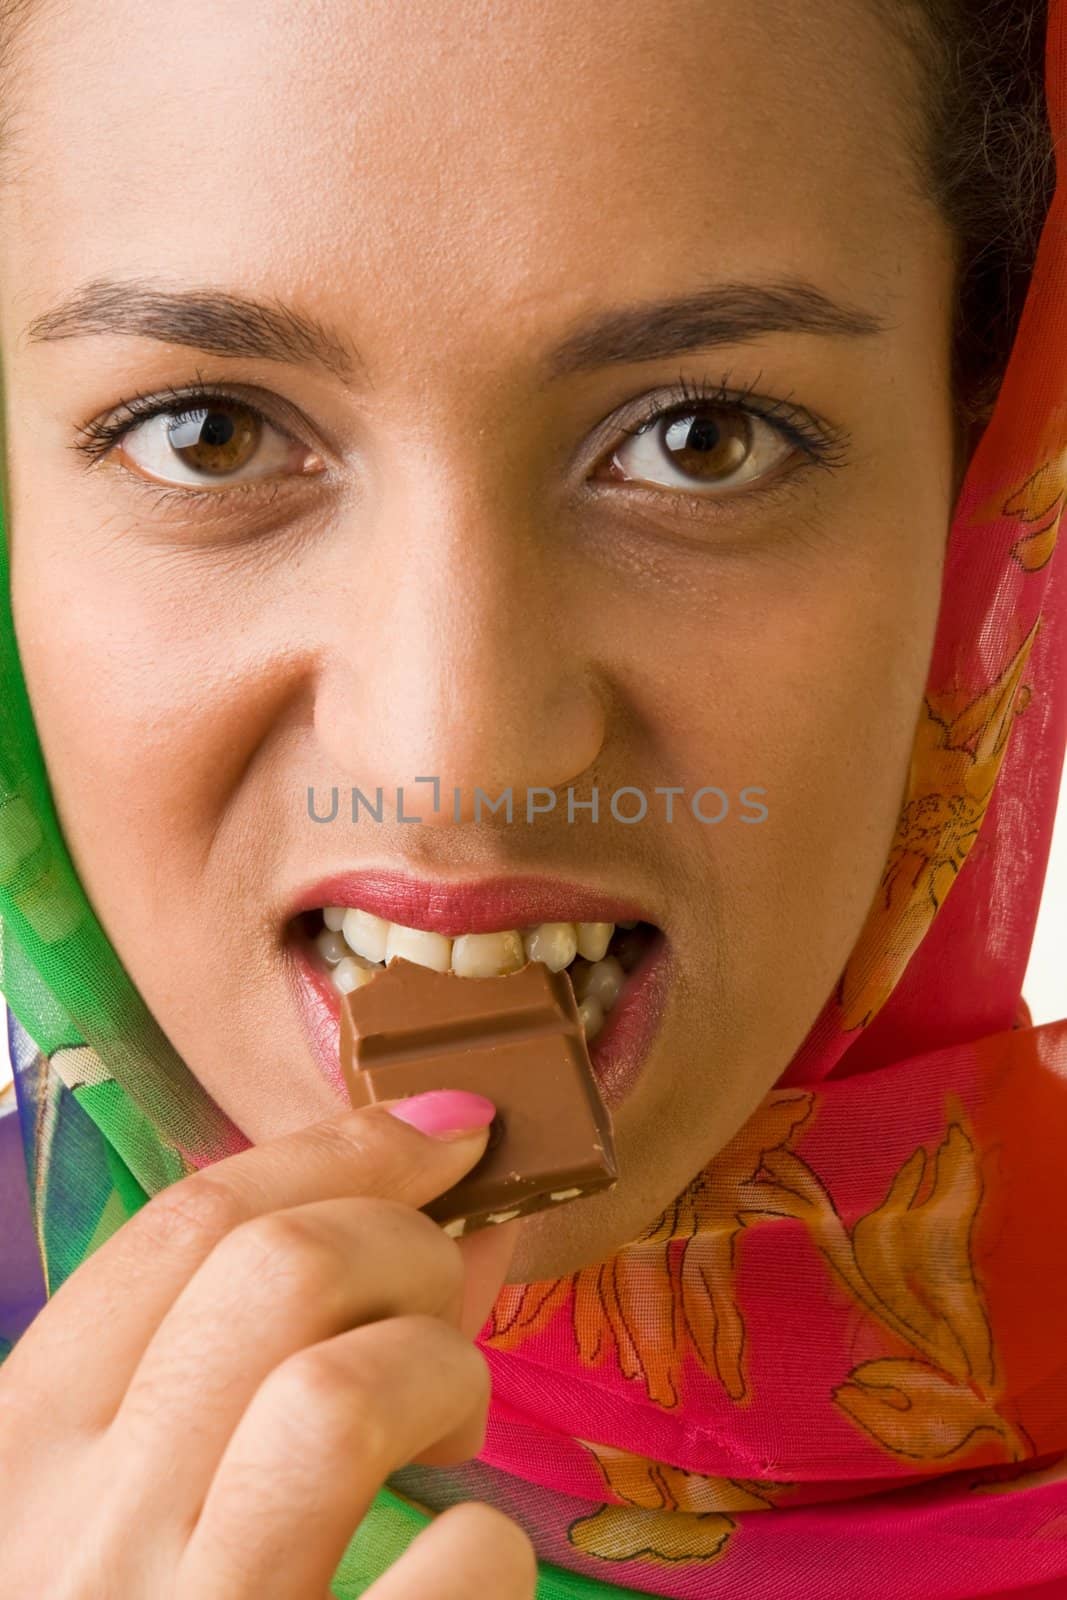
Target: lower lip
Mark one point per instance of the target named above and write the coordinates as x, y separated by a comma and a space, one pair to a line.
617, 1054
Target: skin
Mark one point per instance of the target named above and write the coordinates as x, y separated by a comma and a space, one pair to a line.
317, 1327
464, 585
461, 588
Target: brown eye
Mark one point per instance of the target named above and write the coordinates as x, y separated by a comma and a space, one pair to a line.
218, 443
705, 448
215, 439
712, 444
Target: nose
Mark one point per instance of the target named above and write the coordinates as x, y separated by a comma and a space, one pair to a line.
460, 659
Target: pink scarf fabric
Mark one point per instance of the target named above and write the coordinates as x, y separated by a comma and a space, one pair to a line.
837, 1365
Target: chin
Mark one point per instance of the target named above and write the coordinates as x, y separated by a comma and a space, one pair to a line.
552, 1244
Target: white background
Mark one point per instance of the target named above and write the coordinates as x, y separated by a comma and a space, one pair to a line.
1045, 989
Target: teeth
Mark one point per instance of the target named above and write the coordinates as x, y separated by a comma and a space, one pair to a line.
366, 934
601, 982
554, 943
355, 944
351, 973
594, 938
331, 946
415, 944
487, 955
591, 1016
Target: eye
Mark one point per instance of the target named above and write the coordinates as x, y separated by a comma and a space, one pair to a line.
709, 450
202, 441
216, 442
712, 443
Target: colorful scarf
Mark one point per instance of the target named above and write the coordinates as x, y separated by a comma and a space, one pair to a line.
836, 1366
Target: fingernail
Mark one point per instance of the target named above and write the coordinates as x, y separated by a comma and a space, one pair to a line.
445, 1113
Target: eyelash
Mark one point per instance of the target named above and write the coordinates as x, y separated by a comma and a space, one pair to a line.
821, 443
99, 436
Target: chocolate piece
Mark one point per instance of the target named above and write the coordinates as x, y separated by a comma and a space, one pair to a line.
516, 1039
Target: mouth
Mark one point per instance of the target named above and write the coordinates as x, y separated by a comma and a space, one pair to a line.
619, 968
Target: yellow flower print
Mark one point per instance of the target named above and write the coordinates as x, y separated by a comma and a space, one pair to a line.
921, 1414
653, 1484
621, 1533
1039, 505
669, 1515
955, 761
523, 1309
914, 1252
671, 1291
908, 1262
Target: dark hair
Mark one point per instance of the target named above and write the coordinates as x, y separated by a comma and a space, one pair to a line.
981, 139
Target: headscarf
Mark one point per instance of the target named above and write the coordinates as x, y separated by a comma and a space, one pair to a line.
836, 1365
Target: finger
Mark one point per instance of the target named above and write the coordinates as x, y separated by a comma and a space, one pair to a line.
486, 1257
272, 1287
470, 1549
321, 1435
126, 1287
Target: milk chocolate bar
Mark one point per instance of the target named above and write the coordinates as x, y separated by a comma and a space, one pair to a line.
518, 1040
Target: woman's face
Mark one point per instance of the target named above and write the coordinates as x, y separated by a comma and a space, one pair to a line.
440, 553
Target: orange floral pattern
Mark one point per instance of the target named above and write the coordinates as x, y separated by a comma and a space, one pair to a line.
652, 1303
957, 754
907, 1263
1039, 504
679, 1516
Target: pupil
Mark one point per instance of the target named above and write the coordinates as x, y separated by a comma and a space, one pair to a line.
701, 442
202, 427
703, 435
217, 429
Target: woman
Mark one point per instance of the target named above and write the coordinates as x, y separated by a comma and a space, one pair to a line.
448, 401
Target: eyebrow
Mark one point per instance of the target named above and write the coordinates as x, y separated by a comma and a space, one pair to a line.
230, 324
212, 320
723, 313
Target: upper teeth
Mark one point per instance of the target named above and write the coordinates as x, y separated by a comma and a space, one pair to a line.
355, 943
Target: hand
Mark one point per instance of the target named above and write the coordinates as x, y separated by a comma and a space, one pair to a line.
206, 1408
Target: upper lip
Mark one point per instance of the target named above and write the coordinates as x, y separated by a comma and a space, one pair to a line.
474, 905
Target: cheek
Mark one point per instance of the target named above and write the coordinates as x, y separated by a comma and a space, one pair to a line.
804, 678
139, 707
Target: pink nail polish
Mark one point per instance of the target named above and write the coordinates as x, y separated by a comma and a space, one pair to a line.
445, 1113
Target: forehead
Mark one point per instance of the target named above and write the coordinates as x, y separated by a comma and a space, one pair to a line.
473, 158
